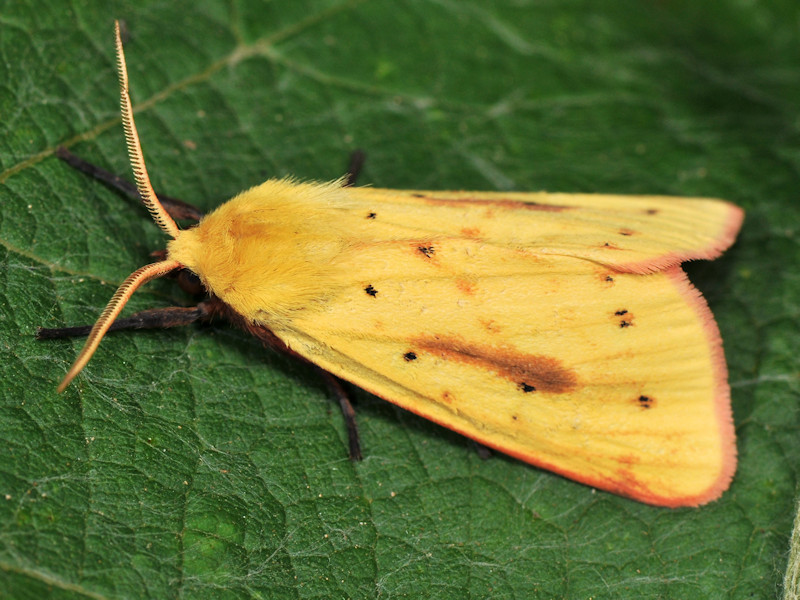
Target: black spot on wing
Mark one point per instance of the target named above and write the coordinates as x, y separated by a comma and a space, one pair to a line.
645, 401
624, 318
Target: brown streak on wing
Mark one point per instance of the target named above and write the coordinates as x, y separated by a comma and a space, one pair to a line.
499, 203
545, 373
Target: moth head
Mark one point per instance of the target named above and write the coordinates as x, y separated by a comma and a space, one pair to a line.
157, 211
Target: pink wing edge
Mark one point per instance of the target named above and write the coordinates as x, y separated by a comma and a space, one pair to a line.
723, 241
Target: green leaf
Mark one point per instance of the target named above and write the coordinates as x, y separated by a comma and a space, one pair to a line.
192, 463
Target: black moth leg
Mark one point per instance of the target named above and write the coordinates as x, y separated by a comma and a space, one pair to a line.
155, 318
270, 340
348, 412
177, 209
357, 158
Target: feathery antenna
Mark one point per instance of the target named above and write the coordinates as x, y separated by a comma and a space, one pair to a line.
160, 216
135, 155
113, 308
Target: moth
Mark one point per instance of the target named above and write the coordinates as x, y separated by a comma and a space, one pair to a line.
559, 329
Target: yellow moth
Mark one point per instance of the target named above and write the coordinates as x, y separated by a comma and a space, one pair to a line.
557, 328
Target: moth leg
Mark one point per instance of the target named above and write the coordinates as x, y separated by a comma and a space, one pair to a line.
334, 385
357, 158
348, 412
270, 340
155, 318
177, 209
